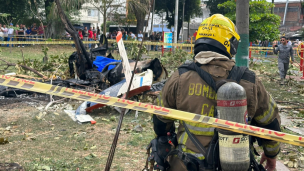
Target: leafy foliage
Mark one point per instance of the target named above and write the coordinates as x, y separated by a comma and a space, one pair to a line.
192, 8
212, 5
57, 65
262, 24
108, 25
172, 61
133, 50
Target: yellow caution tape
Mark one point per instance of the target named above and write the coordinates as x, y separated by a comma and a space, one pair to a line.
90, 42
157, 110
69, 42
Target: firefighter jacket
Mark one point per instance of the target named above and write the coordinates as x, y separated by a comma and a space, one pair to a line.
189, 92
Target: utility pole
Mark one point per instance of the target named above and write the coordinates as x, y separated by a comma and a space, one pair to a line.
152, 16
183, 20
175, 21
272, 9
242, 24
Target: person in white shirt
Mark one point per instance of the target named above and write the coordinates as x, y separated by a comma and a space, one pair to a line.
4, 30
289, 42
140, 36
1, 33
10, 34
132, 35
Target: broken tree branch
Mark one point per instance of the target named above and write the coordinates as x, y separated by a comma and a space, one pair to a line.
25, 67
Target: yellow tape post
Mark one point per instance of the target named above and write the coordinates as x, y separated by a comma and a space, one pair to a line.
157, 110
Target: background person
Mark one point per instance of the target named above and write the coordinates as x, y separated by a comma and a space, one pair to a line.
90, 36
157, 39
41, 32
10, 34
283, 58
140, 36
34, 32
85, 34
152, 39
1, 33
28, 33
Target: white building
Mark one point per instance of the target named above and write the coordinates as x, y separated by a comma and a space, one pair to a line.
90, 16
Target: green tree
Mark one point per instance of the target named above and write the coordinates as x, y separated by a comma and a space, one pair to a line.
212, 5
140, 9
108, 25
192, 8
262, 24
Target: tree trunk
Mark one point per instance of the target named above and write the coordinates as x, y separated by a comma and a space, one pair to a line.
140, 22
70, 29
242, 23
272, 9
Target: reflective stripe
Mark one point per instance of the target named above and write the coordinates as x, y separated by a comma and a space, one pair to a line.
183, 138
272, 148
200, 129
200, 156
160, 100
267, 115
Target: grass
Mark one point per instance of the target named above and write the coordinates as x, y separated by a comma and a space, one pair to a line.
33, 52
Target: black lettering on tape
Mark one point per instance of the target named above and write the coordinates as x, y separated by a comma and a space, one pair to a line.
139, 108
2, 80
52, 88
66, 93
160, 112
13, 83
58, 89
84, 97
221, 125
102, 101
196, 117
27, 86
120, 104
206, 119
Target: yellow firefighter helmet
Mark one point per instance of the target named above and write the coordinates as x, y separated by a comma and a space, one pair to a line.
218, 31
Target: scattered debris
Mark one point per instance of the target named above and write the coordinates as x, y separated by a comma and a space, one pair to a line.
71, 114
79, 118
11, 167
84, 119
138, 128
3, 141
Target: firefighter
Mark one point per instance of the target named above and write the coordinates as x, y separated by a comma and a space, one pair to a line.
216, 43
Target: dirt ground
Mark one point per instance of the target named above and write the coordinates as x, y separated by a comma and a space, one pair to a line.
57, 142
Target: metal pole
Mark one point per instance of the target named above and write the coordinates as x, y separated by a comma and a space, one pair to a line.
175, 21
152, 16
272, 9
285, 12
183, 20
242, 24
162, 22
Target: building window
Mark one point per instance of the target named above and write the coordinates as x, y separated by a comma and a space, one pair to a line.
92, 12
276, 10
293, 9
282, 9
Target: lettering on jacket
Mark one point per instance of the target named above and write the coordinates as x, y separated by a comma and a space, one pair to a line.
197, 89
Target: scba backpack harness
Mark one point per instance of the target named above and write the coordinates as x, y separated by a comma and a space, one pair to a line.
161, 146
